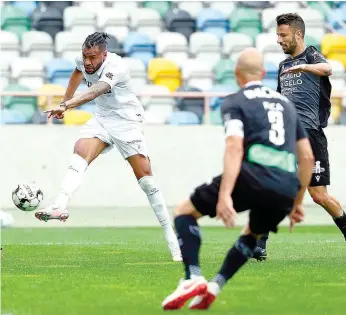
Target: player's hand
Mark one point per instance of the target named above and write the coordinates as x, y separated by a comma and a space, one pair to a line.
296, 216
295, 69
57, 113
225, 211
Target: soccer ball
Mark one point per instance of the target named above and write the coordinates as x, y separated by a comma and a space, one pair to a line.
27, 197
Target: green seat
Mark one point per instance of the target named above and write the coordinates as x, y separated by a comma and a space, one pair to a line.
14, 20
27, 105
245, 17
312, 41
224, 71
322, 7
251, 31
215, 117
160, 6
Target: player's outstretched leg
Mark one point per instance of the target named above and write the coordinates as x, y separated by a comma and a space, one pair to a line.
190, 242
142, 169
321, 196
235, 259
86, 150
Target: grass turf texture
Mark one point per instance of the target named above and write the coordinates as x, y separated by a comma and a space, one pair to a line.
88, 271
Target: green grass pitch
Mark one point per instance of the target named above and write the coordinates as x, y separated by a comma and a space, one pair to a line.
91, 271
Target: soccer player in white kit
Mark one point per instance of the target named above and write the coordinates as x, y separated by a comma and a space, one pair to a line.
117, 122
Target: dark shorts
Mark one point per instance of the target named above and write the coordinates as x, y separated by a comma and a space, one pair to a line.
319, 145
267, 209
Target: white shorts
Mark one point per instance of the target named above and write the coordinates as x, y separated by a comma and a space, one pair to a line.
126, 135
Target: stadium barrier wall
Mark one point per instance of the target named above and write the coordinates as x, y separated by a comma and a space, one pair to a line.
182, 157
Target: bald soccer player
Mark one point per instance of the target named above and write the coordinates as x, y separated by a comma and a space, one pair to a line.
264, 141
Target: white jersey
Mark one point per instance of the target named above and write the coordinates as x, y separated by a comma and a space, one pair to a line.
120, 101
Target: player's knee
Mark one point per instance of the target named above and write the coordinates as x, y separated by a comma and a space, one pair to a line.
186, 208
82, 150
319, 198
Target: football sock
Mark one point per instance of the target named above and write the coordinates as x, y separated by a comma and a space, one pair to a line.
158, 204
190, 241
341, 223
72, 180
262, 242
237, 256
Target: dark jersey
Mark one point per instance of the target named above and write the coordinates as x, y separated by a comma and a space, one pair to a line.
308, 92
270, 126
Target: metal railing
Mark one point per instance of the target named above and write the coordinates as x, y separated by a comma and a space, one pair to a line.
206, 95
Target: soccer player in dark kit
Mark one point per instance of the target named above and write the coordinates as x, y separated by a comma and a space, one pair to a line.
264, 143
304, 79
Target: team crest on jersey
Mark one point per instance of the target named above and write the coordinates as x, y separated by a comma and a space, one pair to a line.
109, 75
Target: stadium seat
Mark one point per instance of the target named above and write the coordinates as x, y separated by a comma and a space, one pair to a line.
114, 22
183, 118
255, 4
139, 46
224, 72
336, 17
76, 117
152, 118
337, 79
198, 73
192, 7
60, 5
39, 118
114, 46
213, 21
160, 6
48, 19
28, 72
160, 106
235, 43
43, 102
164, 72
271, 70
247, 21
172, 46
91, 5
214, 117
26, 105
15, 20
312, 41
146, 21
128, 6
68, 45
288, 6
38, 45
9, 44
78, 19
187, 104
5, 76
27, 6
137, 71
223, 6
205, 46
59, 71
333, 46
11, 116
320, 6
314, 22
180, 21
216, 101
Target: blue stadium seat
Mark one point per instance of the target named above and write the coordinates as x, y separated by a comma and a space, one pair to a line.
215, 102
39, 118
59, 71
139, 46
183, 118
213, 21
11, 116
27, 6
271, 69
337, 15
271, 83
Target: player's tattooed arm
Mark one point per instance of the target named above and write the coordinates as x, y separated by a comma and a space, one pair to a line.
94, 91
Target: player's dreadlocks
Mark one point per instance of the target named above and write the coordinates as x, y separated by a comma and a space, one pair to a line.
96, 39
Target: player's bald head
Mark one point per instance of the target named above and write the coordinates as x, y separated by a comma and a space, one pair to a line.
249, 66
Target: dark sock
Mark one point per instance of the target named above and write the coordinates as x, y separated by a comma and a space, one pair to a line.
341, 223
237, 256
190, 241
262, 242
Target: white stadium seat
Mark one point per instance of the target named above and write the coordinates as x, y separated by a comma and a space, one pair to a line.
91, 5
149, 101
38, 45
192, 7
172, 46
223, 6
78, 19
9, 44
125, 5
5, 75
146, 21
198, 73
205, 46
68, 45
137, 71
29, 72
235, 42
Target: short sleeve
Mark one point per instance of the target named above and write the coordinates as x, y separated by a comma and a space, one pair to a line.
301, 133
314, 56
232, 117
79, 63
112, 74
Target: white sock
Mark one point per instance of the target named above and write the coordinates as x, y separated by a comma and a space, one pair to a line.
72, 180
159, 206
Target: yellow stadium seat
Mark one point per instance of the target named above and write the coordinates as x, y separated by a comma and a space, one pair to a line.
48, 88
76, 117
164, 72
333, 46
